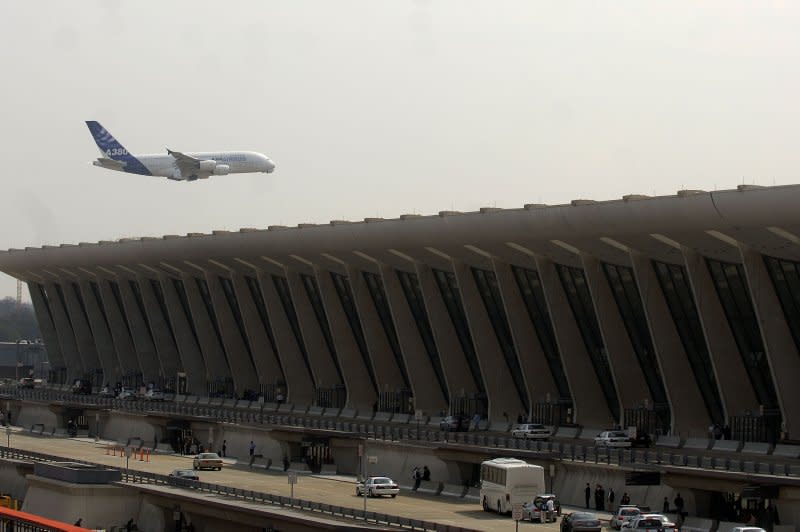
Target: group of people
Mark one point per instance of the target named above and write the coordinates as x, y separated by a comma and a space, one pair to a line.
600, 497
418, 475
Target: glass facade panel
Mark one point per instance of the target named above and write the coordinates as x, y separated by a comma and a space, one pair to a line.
378, 294
486, 282
99, 302
345, 293
233, 303
731, 284
118, 300
626, 294
63, 303
187, 311
530, 287
416, 303
137, 295
785, 275
261, 307
580, 301
448, 287
674, 283
162, 305
205, 296
282, 288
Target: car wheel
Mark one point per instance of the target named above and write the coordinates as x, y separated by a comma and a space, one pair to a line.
371, 493
394, 495
358, 492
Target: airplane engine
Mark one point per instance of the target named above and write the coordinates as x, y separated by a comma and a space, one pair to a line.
208, 166
176, 175
222, 169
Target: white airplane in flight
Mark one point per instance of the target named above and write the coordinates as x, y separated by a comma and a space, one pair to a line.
175, 165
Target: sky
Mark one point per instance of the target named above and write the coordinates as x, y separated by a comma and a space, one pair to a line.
381, 108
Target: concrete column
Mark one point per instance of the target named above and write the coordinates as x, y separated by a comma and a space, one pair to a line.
460, 380
123, 343
387, 372
299, 380
213, 354
781, 351
688, 409
735, 389
504, 400
361, 395
323, 365
428, 395
266, 360
47, 327
66, 336
188, 347
80, 326
532, 360
162, 337
241, 364
101, 334
589, 404
142, 341
629, 378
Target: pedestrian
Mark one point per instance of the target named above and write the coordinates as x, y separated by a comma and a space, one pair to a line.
611, 498
587, 493
252, 452
417, 476
678, 502
286, 463
665, 507
551, 508
602, 499
224, 447
626, 499
598, 498
78, 522
426, 473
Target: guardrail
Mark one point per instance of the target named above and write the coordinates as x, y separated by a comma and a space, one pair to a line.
388, 431
143, 477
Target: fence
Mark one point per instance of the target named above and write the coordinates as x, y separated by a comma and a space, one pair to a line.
16, 521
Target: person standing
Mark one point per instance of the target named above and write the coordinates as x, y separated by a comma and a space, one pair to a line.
426, 473
665, 506
602, 499
611, 498
587, 493
551, 508
598, 498
252, 452
678, 504
224, 447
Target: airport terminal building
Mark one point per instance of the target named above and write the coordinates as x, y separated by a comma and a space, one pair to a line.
671, 313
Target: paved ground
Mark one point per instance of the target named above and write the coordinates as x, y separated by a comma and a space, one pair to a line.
332, 490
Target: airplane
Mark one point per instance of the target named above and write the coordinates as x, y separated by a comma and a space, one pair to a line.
175, 165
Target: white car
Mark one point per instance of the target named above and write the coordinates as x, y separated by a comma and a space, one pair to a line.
530, 431
127, 393
613, 438
655, 522
623, 516
154, 395
377, 487
207, 461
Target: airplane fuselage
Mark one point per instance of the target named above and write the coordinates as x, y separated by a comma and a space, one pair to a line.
165, 165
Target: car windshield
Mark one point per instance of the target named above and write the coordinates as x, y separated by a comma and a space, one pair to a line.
184, 473
381, 481
629, 511
618, 435
206, 456
537, 427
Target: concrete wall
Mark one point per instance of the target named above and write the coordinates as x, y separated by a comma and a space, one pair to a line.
12, 478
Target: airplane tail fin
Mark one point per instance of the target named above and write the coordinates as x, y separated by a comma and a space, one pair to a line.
109, 146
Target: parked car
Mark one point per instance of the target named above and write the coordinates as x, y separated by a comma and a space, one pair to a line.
624, 515
127, 393
454, 423
653, 522
533, 510
27, 382
580, 522
530, 431
612, 438
183, 477
666, 523
377, 487
82, 387
154, 395
107, 392
642, 439
207, 461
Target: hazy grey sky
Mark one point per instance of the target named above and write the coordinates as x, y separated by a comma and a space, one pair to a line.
378, 108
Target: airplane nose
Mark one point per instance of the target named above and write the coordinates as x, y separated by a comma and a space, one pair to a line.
269, 166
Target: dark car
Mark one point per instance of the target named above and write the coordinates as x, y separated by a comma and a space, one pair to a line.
183, 477
580, 522
642, 439
454, 423
82, 387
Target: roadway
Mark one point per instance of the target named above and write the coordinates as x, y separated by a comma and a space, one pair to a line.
332, 490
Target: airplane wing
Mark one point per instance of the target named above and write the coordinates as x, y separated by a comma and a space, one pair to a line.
187, 164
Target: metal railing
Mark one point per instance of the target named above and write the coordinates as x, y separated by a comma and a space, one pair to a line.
389, 431
143, 477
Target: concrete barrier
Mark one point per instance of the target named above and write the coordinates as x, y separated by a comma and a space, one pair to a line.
430, 487
730, 446
500, 426
332, 411
589, 433
753, 447
300, 409
269, 407
787, 451
316, 410
453, 490
568, 432
697, 443
383, 416
473, 494
669, 441
348, 413
328, 469
298, 467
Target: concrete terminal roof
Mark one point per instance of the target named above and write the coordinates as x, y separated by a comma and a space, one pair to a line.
712, 223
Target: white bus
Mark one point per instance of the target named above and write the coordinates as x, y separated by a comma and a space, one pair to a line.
507, 481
